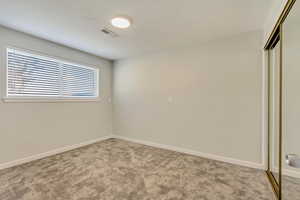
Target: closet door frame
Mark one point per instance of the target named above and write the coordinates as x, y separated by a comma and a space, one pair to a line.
276, 40
277, 34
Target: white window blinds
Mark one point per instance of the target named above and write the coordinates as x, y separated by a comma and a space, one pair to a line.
31, 75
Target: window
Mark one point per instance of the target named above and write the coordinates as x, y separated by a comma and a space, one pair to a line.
34, 76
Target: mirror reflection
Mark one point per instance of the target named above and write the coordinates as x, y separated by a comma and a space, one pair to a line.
274, 67
291, 105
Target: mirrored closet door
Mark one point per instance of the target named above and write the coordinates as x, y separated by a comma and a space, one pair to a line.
291, 105
274, 109
283, 48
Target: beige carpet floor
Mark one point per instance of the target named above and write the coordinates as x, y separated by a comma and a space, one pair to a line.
290, 187
119, 170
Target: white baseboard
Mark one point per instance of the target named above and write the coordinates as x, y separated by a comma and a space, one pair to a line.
163, 146
291, 173
50, 153
260, 166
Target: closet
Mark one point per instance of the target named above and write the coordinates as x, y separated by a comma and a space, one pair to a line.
283, 50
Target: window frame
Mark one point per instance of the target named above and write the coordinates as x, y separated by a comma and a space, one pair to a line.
47, 99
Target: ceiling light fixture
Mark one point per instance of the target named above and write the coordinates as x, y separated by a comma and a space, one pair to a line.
120, 22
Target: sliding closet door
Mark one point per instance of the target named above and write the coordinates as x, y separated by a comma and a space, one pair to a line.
274, 108
291, 105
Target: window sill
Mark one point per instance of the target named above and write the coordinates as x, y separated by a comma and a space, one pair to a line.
47, 100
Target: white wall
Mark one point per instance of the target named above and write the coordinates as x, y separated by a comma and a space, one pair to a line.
206, 98
30, 128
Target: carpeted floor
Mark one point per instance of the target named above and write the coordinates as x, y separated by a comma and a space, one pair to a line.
119, 170
290, 187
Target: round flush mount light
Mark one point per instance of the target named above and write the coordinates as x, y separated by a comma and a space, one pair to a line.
121, 22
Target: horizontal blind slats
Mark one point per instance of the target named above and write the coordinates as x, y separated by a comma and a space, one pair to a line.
31, 78
30, 75
20, 82
24, 66
29, 58
78, 81
44, 87
34, 93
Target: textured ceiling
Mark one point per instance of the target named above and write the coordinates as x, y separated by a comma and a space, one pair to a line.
157, 25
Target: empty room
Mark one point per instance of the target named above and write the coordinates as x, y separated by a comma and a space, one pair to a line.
149, 100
